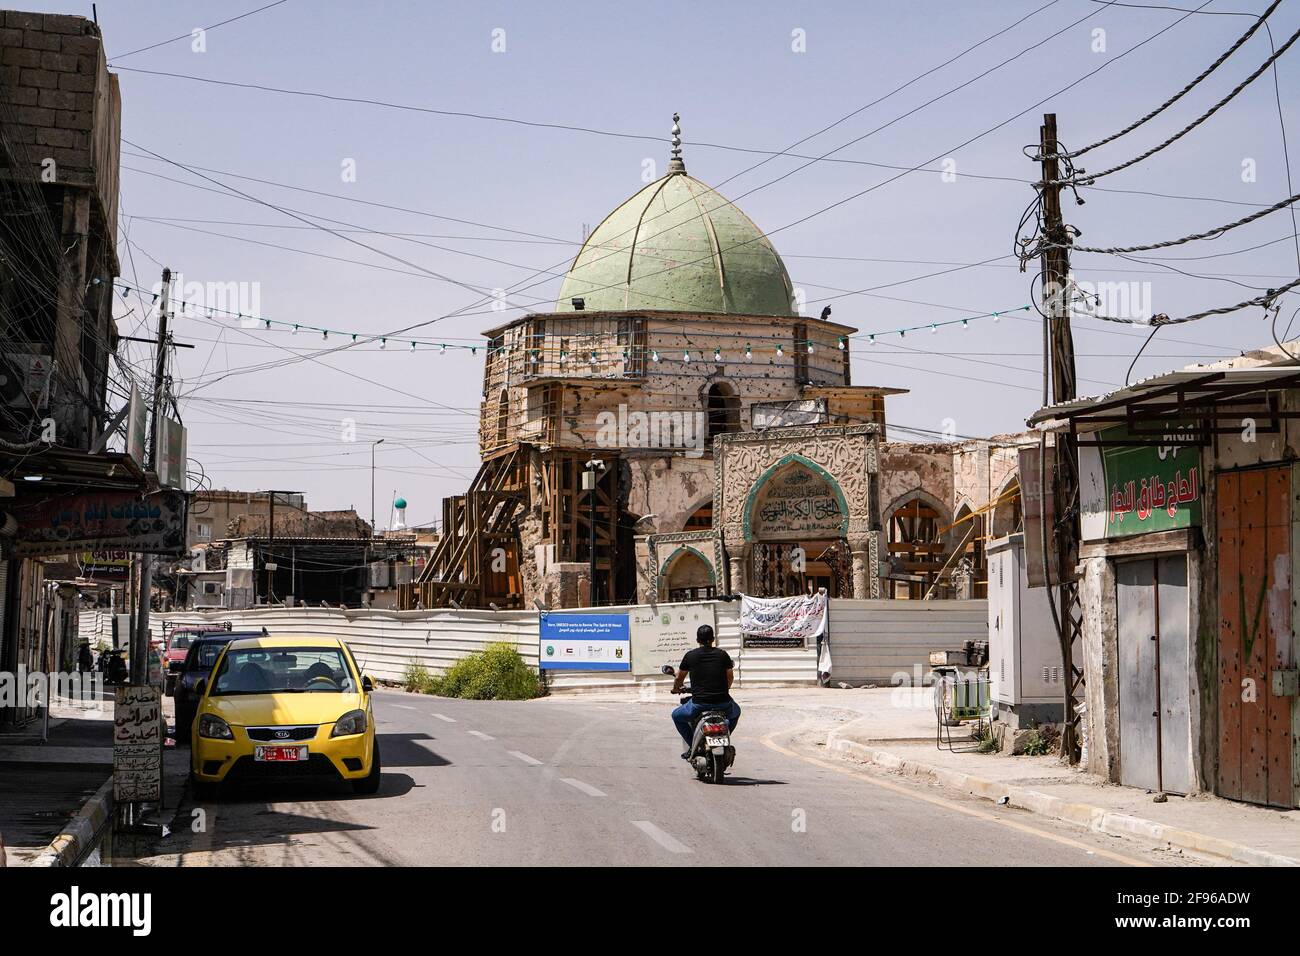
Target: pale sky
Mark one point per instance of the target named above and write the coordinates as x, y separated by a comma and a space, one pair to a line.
734, 71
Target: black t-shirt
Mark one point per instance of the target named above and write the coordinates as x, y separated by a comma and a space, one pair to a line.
708, 668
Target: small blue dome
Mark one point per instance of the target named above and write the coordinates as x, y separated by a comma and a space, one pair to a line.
399, 503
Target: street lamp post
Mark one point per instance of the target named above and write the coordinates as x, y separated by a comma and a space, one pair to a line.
589, 477
372, 484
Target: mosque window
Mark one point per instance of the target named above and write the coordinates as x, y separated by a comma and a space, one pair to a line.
723, 409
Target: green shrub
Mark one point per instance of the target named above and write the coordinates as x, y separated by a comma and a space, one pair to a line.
418, 680
1041, 741
987, 740
495, 673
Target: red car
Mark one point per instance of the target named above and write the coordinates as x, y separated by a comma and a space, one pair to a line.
178, 638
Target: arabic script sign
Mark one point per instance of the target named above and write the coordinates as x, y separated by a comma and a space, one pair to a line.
782, 622
102, 520
795, 502
1150, 487
137, 744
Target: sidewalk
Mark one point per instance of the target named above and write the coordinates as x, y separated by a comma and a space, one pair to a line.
896, 732
56, 796
43, 785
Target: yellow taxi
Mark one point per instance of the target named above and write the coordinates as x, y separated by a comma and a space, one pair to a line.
276, 707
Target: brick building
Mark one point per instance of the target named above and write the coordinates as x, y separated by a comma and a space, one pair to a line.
628, 435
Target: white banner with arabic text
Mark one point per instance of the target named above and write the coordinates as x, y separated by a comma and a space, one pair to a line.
782, 622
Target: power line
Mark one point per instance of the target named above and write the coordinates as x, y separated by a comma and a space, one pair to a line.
1093, 177
1177, 96
187, 36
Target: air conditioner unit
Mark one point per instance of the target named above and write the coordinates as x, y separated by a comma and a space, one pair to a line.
25, 380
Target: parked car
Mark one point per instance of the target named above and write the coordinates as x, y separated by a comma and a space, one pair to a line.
203, 650
284, 707
177, 646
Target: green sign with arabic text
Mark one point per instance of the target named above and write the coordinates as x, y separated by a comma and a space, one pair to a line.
1156, 487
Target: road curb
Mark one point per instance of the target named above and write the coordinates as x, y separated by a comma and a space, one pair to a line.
1094, 818
77, 838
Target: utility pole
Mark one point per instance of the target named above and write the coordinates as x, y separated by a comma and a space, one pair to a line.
373, 445
140, 644
1058, 363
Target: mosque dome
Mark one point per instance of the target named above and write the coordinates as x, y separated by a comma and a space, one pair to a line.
678, 246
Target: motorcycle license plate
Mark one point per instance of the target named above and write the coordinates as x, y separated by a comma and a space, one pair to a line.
279, 754
718, 741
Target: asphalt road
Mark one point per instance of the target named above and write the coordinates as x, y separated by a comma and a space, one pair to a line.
578, 782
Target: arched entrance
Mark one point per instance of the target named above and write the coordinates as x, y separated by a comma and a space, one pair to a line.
917, 549
722, 406
969, 577
796, 519
1008, 513
687, 576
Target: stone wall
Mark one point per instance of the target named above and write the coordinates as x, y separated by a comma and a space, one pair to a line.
61, 103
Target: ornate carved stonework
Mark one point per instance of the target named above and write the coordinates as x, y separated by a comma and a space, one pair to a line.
846, 454
661, 546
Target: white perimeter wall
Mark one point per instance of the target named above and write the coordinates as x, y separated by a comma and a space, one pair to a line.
870, 640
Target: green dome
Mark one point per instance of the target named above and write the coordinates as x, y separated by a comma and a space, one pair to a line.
399, 503
678, 246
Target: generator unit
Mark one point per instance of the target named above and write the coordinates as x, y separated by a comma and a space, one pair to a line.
1026, 674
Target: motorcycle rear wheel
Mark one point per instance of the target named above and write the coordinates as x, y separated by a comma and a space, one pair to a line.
717, 767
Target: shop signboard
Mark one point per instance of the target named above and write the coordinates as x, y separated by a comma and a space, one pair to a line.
137, 744
1143, 488
106, 565
99, 520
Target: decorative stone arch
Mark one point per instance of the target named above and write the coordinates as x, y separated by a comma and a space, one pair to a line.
917, 494
794, 458
683, 551
687, 574
701, 508
920, 550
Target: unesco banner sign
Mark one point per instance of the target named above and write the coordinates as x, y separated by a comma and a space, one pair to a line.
584, 642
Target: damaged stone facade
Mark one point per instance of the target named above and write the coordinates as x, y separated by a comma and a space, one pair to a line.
676, 432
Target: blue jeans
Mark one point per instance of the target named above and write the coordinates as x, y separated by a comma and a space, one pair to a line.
684, 716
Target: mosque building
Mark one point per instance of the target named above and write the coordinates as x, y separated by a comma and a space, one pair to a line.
674, 429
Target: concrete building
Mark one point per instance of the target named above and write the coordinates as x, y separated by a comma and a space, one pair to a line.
1188, 489
625, 435
60, 119
212, 511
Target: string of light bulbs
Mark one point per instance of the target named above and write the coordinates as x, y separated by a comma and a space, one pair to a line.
800, 346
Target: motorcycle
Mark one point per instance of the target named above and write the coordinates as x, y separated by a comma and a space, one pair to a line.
711, 752
113, 664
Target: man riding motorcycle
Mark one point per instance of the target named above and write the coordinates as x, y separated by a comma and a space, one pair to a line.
712, 673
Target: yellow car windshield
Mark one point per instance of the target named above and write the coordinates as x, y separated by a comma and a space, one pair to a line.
283, 670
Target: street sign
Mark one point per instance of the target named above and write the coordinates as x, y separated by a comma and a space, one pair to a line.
584, 642
137, 744
172, 452
137, 426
